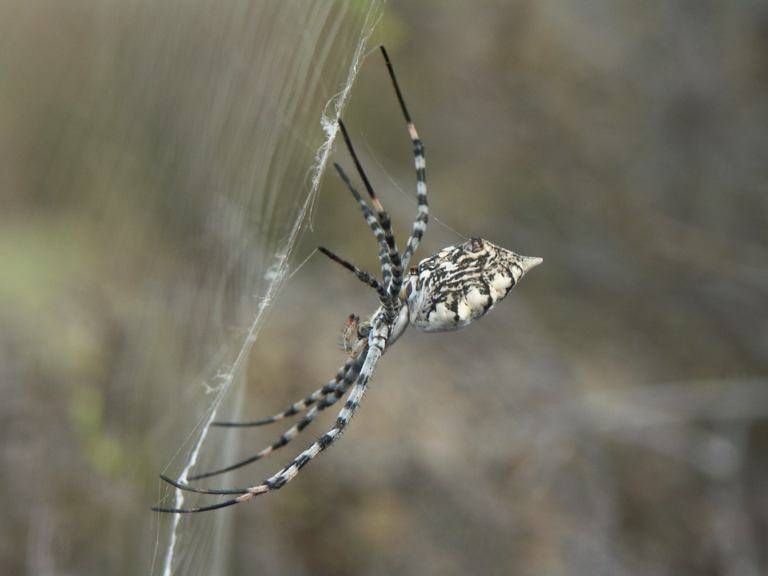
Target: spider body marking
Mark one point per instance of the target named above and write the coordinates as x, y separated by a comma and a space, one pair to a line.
460, 284
446, 291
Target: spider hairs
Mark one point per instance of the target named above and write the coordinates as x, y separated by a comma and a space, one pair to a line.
446, 291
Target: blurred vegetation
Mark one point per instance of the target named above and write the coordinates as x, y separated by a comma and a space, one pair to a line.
609, 418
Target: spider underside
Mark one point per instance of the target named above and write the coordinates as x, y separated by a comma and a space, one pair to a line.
447, 291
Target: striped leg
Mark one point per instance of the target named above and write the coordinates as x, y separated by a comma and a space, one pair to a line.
377, 342
378, 231
328, 401
422, 217
362, 275
332, 386
381, 214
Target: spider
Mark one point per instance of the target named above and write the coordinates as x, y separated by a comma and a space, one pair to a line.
447, 291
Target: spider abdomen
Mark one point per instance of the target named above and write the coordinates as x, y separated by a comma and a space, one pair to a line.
460, 284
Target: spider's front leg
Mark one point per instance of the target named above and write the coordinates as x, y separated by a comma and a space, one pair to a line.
333, 386
329, 399
377, 341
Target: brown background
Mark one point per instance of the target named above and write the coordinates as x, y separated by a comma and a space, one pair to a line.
608, 418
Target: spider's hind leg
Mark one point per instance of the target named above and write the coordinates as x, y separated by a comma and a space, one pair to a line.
385, 222
422, 216
365, 277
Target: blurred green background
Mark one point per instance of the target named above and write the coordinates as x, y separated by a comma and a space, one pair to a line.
610, 417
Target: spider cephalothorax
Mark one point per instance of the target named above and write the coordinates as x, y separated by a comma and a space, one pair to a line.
446, 291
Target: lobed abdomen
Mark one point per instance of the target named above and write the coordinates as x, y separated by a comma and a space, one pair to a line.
457, 286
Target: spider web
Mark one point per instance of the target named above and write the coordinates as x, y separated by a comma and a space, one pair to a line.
283, 85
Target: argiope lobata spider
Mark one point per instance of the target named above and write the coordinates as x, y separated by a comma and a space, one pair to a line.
446, 291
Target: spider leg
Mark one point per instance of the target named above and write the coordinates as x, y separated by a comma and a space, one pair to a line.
370, 218
188, 488
382, 215
285, 438
422, 217
181, 486
362, 275
202, 509
328, 401
332, 386
377, 342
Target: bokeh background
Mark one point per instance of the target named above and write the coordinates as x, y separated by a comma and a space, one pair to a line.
610, 417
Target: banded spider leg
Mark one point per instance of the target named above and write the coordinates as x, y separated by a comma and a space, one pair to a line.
388, 321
